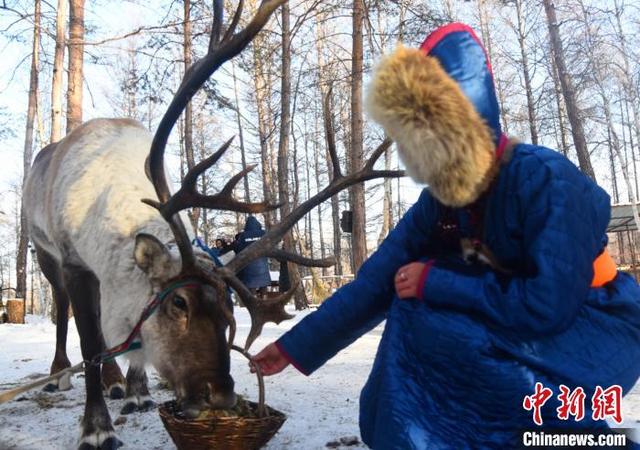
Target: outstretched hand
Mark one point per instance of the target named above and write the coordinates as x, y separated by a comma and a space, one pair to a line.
407, 280
270, 360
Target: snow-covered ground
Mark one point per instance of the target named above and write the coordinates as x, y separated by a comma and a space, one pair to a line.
320, 408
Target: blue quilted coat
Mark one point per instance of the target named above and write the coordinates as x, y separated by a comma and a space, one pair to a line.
256, 273
453, 368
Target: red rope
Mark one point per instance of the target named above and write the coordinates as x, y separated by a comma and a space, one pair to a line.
149, 309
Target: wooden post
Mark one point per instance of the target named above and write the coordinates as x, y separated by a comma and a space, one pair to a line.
15, 310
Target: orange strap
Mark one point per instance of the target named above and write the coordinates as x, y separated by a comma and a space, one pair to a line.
604, 269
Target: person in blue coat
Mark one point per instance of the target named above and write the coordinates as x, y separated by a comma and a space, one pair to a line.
487, 284
256, 274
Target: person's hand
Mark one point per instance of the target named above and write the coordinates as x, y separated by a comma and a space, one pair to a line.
407, 280
270, 360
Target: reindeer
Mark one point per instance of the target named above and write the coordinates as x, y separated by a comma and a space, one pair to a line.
107, 246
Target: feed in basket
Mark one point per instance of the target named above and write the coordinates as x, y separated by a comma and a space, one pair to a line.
246, 426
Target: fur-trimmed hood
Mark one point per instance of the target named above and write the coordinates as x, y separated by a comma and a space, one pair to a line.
438, 104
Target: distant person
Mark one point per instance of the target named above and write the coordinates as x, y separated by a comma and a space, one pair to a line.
225, 248
220, 243
213, 253
223, 245
254, 275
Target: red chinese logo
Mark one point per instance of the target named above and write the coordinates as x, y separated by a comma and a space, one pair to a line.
536, 401
572, 403
607, 403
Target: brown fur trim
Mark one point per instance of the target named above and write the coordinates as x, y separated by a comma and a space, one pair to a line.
442, 139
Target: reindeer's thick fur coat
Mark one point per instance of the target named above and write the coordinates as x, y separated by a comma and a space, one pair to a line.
441, 138
82, 199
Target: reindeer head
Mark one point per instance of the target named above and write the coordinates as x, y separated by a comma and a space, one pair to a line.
191, 349
185, 337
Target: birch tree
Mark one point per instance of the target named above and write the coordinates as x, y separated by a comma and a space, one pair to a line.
76, 62
23, 238
568, 91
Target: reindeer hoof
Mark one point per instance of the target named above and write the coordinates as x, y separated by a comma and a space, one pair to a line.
128, 408
141, 404
116, 392
110, 443
50, 387
147, 405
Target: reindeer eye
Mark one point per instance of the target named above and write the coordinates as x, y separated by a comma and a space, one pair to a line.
180, 302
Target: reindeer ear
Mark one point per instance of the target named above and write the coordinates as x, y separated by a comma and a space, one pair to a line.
152, 257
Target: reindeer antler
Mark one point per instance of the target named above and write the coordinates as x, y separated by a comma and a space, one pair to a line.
266, 244
219, 52
262, 310
272, 310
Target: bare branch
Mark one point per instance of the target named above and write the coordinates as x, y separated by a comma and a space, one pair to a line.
383, 147
137, 31
331, 134
299, 259
216, 28
234, 22
271, 238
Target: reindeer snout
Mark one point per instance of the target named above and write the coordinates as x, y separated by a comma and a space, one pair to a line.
191, 409
221, 396
215, 394
223, 401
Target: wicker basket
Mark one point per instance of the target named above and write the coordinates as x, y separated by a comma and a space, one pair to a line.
224, 433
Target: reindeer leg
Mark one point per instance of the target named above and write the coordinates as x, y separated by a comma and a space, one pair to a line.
52, 273
83, 289
112, 380
138, 398
60, 360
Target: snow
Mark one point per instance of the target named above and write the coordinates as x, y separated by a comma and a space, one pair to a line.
320, 408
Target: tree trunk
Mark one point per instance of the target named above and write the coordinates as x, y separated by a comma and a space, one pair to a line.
630, 89
598, 77
564, 146
345, 202
16, 309
612, 166
527, 75
300, 298
262, 89
387, 202
204, 178
316, 163
330, 140
356, 152
76, 60
485, 32
23, 238
243, 156
309, 217
631, 142
194, 213
624, 167
568, 92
